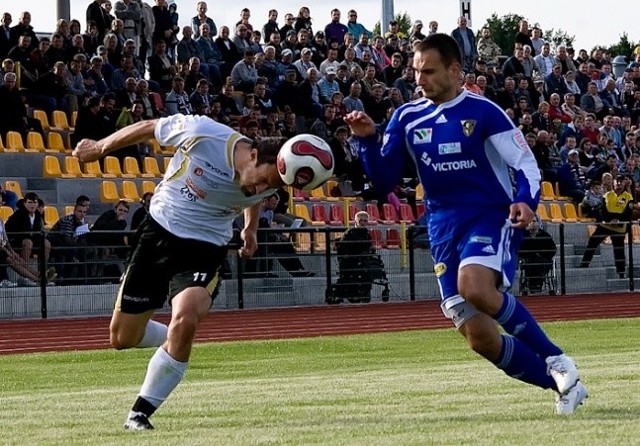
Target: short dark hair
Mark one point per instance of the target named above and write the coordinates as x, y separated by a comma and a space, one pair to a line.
445, 45
268, 149
31, 196
81, 199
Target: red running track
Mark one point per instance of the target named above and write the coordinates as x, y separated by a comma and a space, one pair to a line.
26, 336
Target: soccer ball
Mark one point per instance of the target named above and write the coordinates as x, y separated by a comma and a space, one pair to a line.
305, 162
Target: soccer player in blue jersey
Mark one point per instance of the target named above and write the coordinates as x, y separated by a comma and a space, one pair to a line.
467, 152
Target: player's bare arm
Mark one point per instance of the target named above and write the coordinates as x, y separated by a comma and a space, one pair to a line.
250, 231
521, 215
90, 150
360, 124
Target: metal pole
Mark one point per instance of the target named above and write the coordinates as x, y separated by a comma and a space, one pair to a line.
63, 9
387, 15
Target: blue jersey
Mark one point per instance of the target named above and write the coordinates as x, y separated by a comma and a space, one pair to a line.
469, 156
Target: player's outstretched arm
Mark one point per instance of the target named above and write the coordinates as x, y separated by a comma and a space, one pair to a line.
90, 150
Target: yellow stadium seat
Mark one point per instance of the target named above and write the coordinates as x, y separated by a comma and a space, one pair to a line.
35, 143
581, 216
302, 242
51, 168
151, 166
130, 191
555, 212
166, 161
72, 167
14, 142
41, 116
542, 212
419, 192
60, 121
55, 144
5, 213
154, 145
74, 118
329, 187
13, 186
69, 209
109, 192
557, 193
51, 216
93, 168
318, 194
2, 149
546, 192
570, 213
300, 210
148, 186
168, 150
112, 167
131, 167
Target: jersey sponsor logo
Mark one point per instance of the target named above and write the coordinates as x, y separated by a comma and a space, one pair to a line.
195, 188
186, 193
449, 148
439, 269
216, 170
198, 171
481, 239
441, 120
425, 159
422, 136
468, 126
449, 166
135, 299
520, 140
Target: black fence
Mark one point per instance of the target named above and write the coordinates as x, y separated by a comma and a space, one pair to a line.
311, 266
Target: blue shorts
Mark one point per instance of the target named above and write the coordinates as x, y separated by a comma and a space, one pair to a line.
487, 240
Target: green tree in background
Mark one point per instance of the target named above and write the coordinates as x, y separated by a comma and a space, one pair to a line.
558, 37
624, 47
404, 25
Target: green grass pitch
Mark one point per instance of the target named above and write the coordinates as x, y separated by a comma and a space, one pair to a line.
408, 388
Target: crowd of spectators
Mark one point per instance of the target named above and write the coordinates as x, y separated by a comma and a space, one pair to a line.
133, 62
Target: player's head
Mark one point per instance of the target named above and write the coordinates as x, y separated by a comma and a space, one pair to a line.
437, 63
256, 166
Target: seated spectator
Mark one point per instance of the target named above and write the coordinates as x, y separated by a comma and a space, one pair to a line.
177, 100
24, 228
571, 178
272, 244
593, 201
13, 113
536, 254
244, 74
325, 127
8, 198
110, 245
618, 206
68, 238
28, 276
161, 66
201, 101
263, 98
140, 214
591, 102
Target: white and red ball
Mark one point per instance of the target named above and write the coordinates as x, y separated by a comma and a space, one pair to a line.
305, 162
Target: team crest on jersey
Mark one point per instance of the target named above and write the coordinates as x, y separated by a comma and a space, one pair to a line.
468, 126
422, 136
198, 171
439, 269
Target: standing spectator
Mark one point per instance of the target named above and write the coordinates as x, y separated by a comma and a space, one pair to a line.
24, 28
572, 180
416, 32
523, 37
303, 21
335, 30
130, 12
5, 35
271, 26
355, 28
466, 40
200, 18
488, 49
618, 206
98, 15
536, 40
163, 29
289, 21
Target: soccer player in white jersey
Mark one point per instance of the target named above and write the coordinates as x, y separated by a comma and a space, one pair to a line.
465, 149
215, 175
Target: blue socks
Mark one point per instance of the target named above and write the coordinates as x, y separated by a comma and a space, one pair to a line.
520, 362
518, 322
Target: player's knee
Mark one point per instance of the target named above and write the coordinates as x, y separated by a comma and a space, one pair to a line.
183, 327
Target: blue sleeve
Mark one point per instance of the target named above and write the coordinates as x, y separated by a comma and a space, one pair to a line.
383, 156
